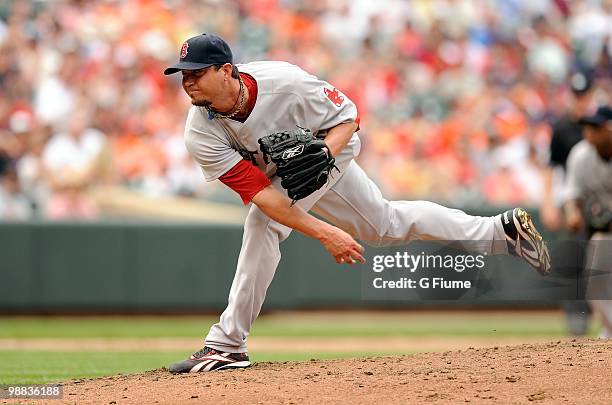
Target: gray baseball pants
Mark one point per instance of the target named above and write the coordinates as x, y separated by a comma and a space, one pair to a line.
599, 289
354, 203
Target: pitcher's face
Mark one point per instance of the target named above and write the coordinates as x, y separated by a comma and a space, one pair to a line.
600, 138
204, 86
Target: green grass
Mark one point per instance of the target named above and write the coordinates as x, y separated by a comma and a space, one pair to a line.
458, 325
42, 367
39, 367
103, 327
52, 366
369, 325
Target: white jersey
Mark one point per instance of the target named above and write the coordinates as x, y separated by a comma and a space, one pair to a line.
588, 175
286, 96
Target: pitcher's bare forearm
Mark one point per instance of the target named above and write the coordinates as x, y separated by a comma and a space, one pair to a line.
573, 214
337, 242
278, 207
337, 137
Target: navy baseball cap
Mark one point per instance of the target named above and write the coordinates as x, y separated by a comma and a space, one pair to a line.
600, 118
200, 52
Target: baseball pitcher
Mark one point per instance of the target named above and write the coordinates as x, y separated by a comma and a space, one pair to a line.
286, 141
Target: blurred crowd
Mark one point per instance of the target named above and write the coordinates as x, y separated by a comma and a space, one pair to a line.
456, 97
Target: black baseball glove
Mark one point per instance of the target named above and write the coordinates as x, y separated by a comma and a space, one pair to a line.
303, 162
597, 210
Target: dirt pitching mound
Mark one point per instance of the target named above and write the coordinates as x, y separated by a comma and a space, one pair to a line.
572, 372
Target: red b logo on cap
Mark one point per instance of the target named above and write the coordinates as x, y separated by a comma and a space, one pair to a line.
184, 50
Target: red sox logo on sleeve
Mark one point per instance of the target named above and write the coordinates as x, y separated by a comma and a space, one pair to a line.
334, 96
184, 50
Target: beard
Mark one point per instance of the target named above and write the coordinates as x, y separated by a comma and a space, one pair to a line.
202, 103
207, 105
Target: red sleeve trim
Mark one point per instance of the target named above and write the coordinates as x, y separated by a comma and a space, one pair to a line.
245, 179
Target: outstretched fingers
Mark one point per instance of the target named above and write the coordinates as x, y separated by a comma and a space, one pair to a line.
353, 255
342, 246
357, 253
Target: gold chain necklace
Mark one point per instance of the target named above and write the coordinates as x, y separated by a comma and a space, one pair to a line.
236, 109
